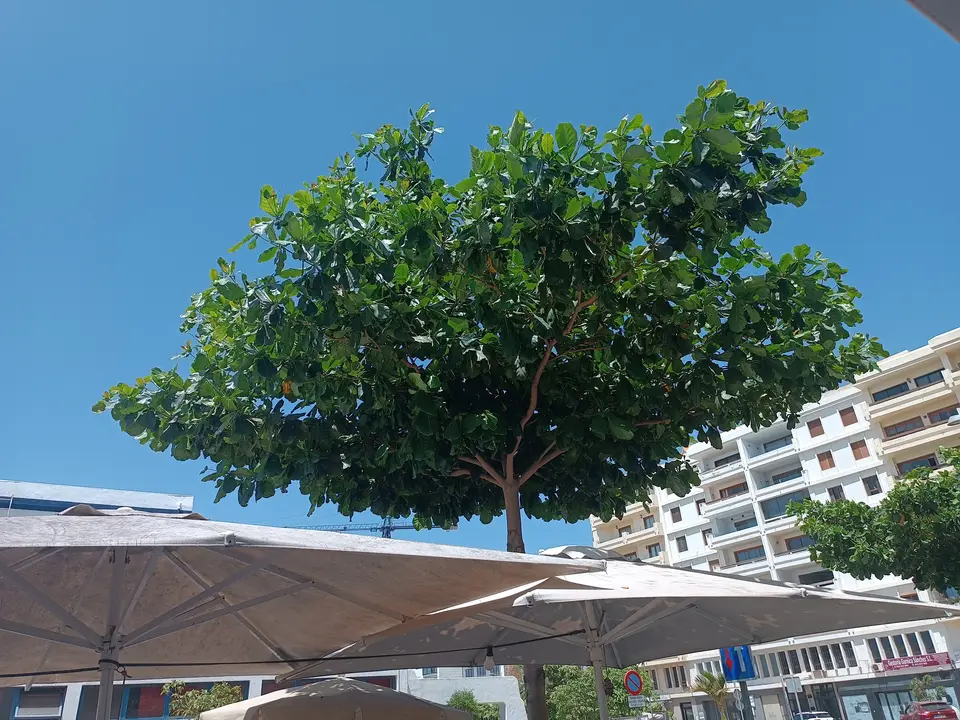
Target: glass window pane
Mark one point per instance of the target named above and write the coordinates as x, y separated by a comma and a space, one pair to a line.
837, 655
887, 647
900, 645
774, 665
806, 659
764, 670
794, 661
145, 701
927, 639
914, 644
40, 703
874, 650
850, 654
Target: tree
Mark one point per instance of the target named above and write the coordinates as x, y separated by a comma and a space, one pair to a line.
914, 532
541, 336
465, 700
715, 687
571, 693
186, 703
924, 688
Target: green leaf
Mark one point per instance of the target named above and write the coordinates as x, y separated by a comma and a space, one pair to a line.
546, 143
636, 154
459, 325
573, 208
619, 428
231, 291
715, 88
566, 138
723, 140
269, 202
636, 123
400, 273
417, 381
267, 254
266, 368
517, 130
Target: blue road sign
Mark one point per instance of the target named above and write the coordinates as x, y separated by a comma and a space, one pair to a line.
737, 663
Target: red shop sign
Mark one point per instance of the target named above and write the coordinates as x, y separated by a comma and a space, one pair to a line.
917, 661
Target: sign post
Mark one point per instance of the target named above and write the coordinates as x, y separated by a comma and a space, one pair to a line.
793, 685
737, 664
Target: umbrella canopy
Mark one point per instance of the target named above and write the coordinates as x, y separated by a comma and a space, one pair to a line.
631, 612
92, 589
336, 699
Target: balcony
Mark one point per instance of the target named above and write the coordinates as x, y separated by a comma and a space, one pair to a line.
934, 435
788, 486
770, 456
746, 567
913, 398
630, 537
792, 558
712, 508
726, 472
734, 537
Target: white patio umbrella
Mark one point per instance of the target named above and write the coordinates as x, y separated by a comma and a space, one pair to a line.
89, 592
629, 613
336, 699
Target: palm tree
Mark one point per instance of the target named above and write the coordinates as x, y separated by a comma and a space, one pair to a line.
715, 687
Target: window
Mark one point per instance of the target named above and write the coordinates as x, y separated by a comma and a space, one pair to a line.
817, 577
707, 536
714, 565
914, 644
666, 672
871, 484
682, 544
630, 556
815, 659
780, 442
890, 392
744, 524
786, 476
927, 639
860, 450
733, 490
848, 416
784, 668
835, 493
794, 661
764, 669
837, 655
849, 654
805, 656
145, 701
900, 645
944, 414
653, 678
43, 703
815, 427
683, 677
826, 460
700, 503
675, 514
749, 554
798, 543
728, 460
777, 507
929, 461
429, 672
648, 522
902, 428
887, 647
875, 650
653, 550
623, 530
825, 656
931, 378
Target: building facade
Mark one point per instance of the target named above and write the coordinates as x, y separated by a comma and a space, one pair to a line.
854, 444
142, 699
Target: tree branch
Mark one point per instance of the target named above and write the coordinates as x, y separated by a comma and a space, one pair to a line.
576, 311
645, 423
535, 388
495, 477
551, 453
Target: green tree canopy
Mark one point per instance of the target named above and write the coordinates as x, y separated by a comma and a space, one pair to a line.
465, 700
914, 532
186, 703
543, 334
572, 695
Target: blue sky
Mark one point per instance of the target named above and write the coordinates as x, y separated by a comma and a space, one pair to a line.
134, 138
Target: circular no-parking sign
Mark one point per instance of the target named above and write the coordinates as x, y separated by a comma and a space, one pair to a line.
633, 682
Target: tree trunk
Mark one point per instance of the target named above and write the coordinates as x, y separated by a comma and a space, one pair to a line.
534, 679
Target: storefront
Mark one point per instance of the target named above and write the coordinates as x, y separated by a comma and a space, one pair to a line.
883, 698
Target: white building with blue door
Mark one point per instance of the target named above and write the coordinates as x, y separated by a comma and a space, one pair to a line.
141, 698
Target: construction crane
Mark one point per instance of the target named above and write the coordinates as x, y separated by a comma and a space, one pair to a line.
385, 527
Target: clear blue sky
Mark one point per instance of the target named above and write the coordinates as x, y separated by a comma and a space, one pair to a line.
134, 137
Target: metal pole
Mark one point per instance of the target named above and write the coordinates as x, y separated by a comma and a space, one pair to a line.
108, 666
601, 694
745, 699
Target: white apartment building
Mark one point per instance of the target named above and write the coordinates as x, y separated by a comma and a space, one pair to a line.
854, 444
140, 698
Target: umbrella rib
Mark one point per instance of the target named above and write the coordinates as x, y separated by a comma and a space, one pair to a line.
69, 619
228, 609
638, 615
191, 603
524, 626
748, 636
657, 617
35, 632
320, 586
144, 579
254, 630
34, 558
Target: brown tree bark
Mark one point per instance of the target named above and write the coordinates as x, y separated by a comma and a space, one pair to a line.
534, 679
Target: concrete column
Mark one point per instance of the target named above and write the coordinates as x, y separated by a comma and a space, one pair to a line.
71, 702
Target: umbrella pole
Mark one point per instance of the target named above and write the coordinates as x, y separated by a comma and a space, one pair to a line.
601, 694
108, 666
596, 656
